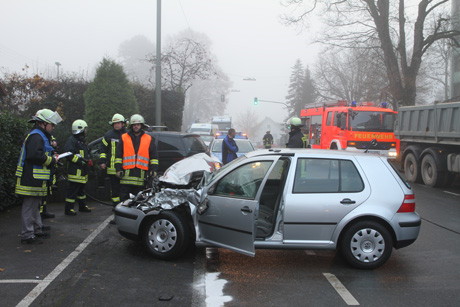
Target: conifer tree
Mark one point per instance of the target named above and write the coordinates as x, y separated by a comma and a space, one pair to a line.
294, 99
109, 93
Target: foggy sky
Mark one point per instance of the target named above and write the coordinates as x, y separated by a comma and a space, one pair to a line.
247, 39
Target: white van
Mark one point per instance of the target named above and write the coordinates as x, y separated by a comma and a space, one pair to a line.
204, 129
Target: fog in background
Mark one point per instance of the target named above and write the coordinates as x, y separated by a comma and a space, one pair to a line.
247, 38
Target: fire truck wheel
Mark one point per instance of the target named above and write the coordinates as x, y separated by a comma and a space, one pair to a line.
412, 168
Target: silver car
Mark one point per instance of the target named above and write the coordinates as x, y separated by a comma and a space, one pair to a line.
282, 199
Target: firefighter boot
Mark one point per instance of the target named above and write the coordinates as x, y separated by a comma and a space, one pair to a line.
69, 209
44, 212
83, 208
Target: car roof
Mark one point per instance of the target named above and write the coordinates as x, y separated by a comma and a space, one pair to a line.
316, 152
172, 133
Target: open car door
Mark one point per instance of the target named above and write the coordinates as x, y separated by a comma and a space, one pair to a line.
229, 220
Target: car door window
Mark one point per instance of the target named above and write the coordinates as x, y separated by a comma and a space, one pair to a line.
326, 176
244, 181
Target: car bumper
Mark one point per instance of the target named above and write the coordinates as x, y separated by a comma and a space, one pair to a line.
406, 227
128, 221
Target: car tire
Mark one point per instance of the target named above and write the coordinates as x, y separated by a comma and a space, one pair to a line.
366, 245
412, 168
166, 235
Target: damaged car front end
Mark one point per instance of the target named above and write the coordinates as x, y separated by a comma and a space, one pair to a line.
162, 215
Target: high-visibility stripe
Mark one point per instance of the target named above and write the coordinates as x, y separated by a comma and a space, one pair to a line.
154, 161
104, 142
30, 191
81, 197
70, 200
75, 159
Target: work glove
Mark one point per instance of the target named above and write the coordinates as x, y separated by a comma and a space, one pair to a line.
120, 174
89, 162
152, 173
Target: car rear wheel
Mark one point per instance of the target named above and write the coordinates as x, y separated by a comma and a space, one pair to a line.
166, 235
366, 245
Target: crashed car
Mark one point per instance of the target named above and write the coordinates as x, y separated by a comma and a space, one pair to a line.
278, 199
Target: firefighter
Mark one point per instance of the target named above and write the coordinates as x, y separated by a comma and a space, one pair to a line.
44, 206
136, 158
107, 158
77, 168
268, 140
34, 172
296, 137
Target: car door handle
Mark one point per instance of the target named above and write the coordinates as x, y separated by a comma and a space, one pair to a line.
347, 201
246, 209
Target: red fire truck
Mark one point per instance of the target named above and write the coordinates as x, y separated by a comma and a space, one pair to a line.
351, 126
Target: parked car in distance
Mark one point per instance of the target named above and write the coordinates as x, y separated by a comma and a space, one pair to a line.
171, 146
356, 203
207, 139
244, 146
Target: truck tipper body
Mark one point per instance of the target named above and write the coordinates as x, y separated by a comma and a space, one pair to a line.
430, 143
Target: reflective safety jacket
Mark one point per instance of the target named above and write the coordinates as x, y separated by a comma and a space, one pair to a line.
34, 164
136, 155
77, 168
110, 142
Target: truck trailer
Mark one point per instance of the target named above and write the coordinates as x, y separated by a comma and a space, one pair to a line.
430, 143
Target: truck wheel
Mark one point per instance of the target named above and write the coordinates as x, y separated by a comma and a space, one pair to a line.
366, 245
430, 172
166, 235
412, 168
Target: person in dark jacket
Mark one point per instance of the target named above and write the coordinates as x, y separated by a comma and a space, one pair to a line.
229, 147
296, 137
33, 173
108, 156
137, 158
77, 168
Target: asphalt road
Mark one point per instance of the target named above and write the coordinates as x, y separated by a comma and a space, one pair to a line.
86, 262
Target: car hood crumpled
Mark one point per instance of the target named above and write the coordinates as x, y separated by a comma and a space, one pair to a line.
166, 199
181, 172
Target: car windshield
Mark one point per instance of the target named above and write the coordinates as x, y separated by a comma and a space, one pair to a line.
371, 121
243, 146
194, 144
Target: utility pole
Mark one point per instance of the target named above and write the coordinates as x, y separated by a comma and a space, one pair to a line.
455, 61
158, 69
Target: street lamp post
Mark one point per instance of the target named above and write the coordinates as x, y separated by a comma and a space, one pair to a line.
158, 69
57, 65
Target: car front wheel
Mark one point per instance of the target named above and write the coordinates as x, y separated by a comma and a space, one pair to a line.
166, 235
366, 245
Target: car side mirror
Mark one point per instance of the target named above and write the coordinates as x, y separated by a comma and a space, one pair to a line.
203, 206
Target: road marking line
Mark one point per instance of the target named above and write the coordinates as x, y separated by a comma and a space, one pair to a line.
448, 192
310, 253
20, 281
341, 290
26, 301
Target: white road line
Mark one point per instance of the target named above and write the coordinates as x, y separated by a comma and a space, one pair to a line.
26, 301
341, 290
20, 281
310, 253
452, 193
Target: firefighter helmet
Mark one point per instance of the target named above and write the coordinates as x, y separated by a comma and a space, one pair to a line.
46, 116
137, 119
79, 126
295, 121
117, 118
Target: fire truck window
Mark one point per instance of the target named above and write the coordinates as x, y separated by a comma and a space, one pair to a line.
341, 120
326, 176
329, 118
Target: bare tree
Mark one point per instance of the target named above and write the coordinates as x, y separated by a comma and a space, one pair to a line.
353, 23
204, 98
351, 74
247, 122
186, 58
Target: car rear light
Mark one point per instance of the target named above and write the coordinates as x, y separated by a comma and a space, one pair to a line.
408, 204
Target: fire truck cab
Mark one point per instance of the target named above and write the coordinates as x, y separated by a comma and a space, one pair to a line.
351, 126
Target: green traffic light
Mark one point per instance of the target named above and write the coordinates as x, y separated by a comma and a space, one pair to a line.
256, 101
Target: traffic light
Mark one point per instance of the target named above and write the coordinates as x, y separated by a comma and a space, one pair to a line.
256, 101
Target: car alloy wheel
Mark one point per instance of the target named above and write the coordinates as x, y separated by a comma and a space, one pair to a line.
366, 245
166, 235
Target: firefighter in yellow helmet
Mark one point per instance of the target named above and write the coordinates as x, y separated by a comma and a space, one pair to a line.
77, 168
33, 173
137, 157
